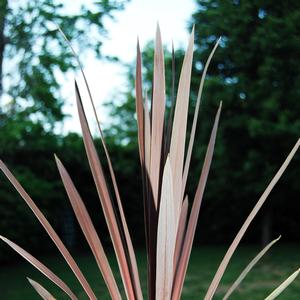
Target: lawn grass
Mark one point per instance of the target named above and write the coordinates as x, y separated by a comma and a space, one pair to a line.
272, 270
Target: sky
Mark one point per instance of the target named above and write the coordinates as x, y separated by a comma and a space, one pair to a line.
138, 19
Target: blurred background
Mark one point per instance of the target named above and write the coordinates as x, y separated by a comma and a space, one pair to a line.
255, 72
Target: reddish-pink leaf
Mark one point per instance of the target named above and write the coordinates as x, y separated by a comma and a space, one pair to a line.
178, 137
219, 274
41, 290
105, 200
147, 136
181, 231
249, 267
191, 228
158, 115
89, 231
196, 113
166, 237
139, 103
41, 267
52, 234
128, 246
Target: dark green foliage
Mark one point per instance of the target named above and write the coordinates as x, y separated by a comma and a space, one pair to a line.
30, 157
28, 153
255, 72
33, 52
32, 56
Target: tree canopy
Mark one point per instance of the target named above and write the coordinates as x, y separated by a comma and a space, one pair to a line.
255, 72
32, 56
33, 52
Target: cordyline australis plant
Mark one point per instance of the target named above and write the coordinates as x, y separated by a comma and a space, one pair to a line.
169, 228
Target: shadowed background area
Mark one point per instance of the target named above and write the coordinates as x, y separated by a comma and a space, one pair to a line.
255, 72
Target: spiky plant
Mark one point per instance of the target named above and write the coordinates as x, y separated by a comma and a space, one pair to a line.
169, 228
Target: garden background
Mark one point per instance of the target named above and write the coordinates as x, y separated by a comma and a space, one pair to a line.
255, 72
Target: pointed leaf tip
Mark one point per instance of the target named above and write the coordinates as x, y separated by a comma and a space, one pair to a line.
41, 267
248, 268
158, 31
192, 223
40, 290
223, 265
178, 136
89, 231
49, 229
104, 196
283, 286
193, 30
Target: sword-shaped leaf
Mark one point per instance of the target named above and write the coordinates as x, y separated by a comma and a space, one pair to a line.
139, 104
128, 247
158, 115
105, 200
147, 136
40, 266
190, 233
178, 136
181, 230
283, 286
41, 290
89, 231
219, 274
194, 125
166, 237
51, 232
248, 268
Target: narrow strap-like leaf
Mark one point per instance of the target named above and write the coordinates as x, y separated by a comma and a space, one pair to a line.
181, 231
83, 75
142, 119
151, 220
89, 231
147, 135
166, 237
158, 114
128, 247
52, 234
146, 168
139, 104
178, 137
41, 290
283, 286
40, 266
248, 268
216, 280
191, 228
194, 125
105, 200
171, 112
